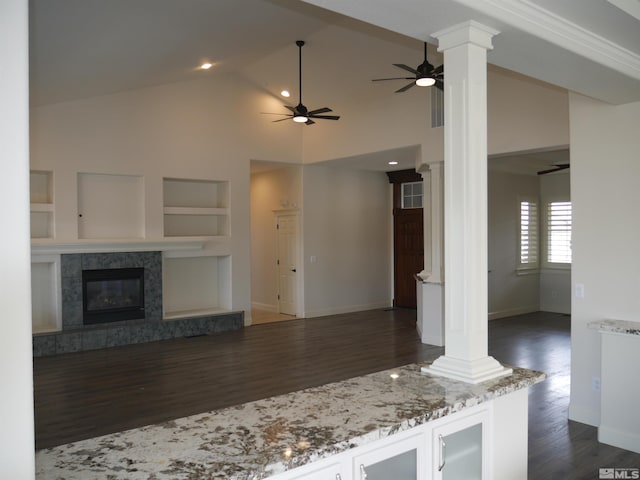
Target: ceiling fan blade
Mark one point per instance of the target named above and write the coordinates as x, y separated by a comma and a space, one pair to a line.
395, 78
405, 88
293, 110
309, 122
556, 168
438, 70
271, 113
325, 117
283, 119
320, 110
405, 67
440, 84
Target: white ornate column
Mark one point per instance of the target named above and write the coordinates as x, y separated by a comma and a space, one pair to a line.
431, 289
465, 205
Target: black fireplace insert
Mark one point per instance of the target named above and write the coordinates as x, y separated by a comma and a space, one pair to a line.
112, 295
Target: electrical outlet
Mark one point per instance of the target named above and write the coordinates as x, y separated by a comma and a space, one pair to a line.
579, 290
595, 384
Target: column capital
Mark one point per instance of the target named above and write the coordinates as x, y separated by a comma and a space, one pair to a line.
430, 166
470, 32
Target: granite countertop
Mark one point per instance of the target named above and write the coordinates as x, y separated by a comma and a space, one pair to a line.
262, 438
625, 327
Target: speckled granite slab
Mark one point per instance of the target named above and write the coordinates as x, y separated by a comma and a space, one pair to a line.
259, 439
624, 327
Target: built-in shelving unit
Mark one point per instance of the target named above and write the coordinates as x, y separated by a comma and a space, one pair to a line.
195, 208
195, 285
41, 198
113, 216
45, 294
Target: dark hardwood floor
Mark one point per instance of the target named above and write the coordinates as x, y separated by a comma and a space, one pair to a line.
86, 394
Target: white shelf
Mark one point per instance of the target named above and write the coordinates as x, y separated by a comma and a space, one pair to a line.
195, 285
45, 294
42, 208
195, 207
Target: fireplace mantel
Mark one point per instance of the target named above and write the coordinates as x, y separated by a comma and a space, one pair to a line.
48, 247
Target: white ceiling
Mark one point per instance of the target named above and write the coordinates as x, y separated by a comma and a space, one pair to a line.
85, 48
82, 48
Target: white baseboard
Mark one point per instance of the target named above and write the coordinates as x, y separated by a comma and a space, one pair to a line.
323, 312
626, 440
555, 308
437, 341
580, 414
264, 306
513, 311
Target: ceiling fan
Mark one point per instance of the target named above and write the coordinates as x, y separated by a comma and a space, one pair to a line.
425, 75
300, 113
556, 168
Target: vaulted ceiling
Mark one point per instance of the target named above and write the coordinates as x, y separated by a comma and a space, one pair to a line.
82, 48
85, 48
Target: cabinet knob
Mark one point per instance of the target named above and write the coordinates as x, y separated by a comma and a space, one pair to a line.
338, 477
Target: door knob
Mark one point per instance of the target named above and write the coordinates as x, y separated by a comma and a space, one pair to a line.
293, 269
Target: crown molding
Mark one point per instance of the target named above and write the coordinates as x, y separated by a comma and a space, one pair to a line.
540, 22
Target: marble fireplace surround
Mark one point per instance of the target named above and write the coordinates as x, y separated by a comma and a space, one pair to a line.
75, 336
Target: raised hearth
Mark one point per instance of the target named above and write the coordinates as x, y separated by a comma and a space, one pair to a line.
77, 336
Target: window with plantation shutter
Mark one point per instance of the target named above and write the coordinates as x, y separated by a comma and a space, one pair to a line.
528, 238
559, 232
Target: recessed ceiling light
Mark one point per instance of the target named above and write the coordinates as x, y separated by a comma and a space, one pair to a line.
285, 93
206, 66
393, 162
394, 376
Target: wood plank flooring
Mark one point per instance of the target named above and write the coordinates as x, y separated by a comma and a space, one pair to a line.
86, 394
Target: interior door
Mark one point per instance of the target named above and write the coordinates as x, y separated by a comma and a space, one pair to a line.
409, 254
287, 239
408, 240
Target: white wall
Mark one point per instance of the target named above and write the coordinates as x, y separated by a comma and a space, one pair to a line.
555, 283
524, 114
271, 190
16, 376
199, 129
509, 293
606, 234
346, 228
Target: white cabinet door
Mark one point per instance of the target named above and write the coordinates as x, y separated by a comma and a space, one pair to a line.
333, 471
394, 460
460, 448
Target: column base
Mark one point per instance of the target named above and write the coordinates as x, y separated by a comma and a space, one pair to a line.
476, 371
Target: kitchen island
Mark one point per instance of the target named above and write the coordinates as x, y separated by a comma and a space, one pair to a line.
334, 431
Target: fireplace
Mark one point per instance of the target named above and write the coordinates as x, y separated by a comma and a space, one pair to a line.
112, 295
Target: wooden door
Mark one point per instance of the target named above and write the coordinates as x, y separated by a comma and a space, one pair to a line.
409, 254
408, 241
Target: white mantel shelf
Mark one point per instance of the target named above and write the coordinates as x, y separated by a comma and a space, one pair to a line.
48, 247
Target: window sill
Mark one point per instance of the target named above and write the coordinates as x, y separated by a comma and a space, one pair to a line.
527, 271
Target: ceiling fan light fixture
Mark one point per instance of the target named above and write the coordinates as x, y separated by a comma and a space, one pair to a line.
425, 81
300, 119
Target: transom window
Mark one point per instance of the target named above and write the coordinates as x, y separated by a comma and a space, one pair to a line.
412, 195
